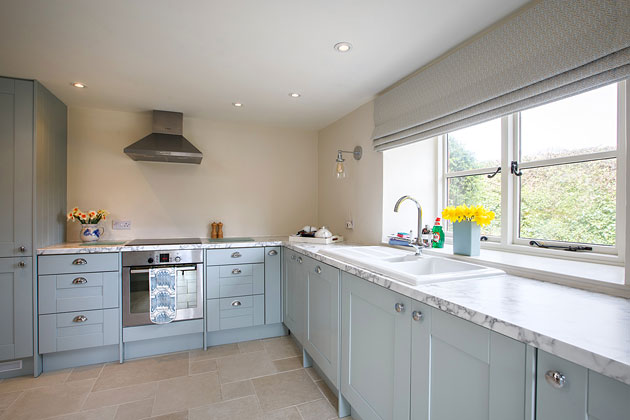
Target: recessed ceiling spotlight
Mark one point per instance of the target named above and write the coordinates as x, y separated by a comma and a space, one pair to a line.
343, 47
78, 85
294, 95
237, 104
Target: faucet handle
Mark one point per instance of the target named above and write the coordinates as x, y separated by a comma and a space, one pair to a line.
417, 247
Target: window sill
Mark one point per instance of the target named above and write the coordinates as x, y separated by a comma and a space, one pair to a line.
592, 276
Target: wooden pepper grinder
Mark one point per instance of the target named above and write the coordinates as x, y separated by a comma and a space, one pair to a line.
214, 233
220, 232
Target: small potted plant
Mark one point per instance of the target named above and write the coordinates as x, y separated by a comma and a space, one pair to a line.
90, 231
467, 222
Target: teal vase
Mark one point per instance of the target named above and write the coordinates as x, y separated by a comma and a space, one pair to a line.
466, 238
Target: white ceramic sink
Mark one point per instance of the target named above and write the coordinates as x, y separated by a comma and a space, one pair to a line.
407, 267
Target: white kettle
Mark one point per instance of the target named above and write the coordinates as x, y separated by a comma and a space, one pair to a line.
323, 233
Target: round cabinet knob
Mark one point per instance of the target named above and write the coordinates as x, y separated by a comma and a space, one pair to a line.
178, 259
22, 249
150, 260
399, 307
416, 315
300, 260
555, 379
318, 270
21, 264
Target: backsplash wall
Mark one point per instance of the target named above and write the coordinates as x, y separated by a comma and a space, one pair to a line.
257, 180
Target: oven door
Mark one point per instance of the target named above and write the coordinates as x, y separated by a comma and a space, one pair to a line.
136, 295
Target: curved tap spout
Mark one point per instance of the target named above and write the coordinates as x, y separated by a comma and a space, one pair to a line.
397, 206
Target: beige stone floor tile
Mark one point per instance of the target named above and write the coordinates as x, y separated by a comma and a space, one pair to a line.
116, 375
244, 366
8, 398
180, 415
317, 410
120, 395
202, 366
330, 396
214, 352
313, 374
290, 413
250, 346
238, 389
241, 409
85, 372
27, 382
291, 363
135, 410
281, 348
285, 389
39, 403
103, 413
186, 392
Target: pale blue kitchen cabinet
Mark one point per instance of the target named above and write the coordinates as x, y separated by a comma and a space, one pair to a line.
295, 299
273, 282
566, 390
460, 370
322, 318
376, 345
16, 297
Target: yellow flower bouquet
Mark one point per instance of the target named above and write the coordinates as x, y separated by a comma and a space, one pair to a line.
475, 214
467, 222
90, 218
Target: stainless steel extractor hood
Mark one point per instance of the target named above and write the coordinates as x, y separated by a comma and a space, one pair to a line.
165, 143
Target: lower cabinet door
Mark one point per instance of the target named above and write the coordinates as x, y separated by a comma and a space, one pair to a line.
295, 316
16, 308
569, 391
463, 371
322, 342
78, 330
376, 345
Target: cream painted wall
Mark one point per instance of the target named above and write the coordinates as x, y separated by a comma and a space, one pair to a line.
359, 196
256, 180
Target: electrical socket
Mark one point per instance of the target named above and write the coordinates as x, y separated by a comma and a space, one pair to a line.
121, 225
349, 224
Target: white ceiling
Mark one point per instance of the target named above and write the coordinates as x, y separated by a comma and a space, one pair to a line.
199, 56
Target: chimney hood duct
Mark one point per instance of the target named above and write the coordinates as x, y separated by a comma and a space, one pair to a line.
165, 143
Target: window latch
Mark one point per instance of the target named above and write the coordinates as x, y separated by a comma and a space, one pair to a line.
562, 247
498, 171
514, 168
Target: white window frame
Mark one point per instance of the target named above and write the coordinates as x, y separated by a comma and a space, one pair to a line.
510, 206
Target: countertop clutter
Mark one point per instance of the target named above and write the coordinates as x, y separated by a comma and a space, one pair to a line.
587, 328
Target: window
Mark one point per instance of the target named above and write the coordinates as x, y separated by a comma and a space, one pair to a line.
549, 173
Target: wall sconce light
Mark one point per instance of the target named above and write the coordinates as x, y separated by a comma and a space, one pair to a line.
340, 171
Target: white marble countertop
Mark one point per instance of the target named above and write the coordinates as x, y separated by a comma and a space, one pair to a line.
587, 328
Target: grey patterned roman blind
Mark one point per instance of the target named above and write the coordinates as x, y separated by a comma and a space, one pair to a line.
553, 49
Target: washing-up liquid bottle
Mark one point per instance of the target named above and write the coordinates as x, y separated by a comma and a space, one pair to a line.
438, 234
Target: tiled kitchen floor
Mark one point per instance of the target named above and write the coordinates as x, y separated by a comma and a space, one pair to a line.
260, 379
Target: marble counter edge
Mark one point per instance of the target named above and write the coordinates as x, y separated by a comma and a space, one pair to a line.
611, 367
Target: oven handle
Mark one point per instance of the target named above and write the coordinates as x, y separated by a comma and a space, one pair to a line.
146, 270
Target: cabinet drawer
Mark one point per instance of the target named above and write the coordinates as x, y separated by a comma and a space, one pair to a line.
78, 292
235, 312
78, 330
235, 256
235, 280
77, 263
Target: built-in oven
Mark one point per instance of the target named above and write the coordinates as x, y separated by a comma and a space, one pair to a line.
188, 265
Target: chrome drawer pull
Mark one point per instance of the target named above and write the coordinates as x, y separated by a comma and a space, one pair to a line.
399, 307
318, 270
236, 303
22, 249
272, 252
21, 264
416, 315
80, 318
79, 261
236, 254
555, 379
236, 271
79, 280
